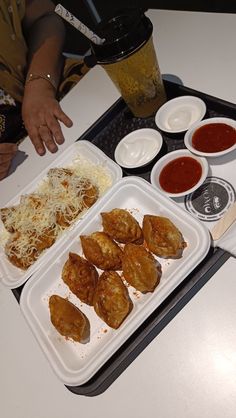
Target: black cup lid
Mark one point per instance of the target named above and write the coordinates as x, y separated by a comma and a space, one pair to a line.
123, 34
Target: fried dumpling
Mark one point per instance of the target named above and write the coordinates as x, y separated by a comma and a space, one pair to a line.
111, 299
20, 252
59, 175
45, 240
78, 194
81, 277
120, 225
140, 268
74, 194
68, 320
23, 250
162, 237
73, 184
25, 215
66, 215
102, 251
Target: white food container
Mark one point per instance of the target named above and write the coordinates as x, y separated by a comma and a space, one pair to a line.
75, 363
12, 276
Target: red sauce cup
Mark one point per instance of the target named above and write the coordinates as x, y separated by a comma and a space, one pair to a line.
179, 173
213, 137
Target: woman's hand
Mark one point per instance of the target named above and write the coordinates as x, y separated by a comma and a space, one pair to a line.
7, 153
41, 114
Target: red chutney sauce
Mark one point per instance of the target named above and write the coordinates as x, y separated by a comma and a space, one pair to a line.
180, 175
214, 137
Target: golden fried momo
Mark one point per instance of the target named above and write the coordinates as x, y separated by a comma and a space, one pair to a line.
23, 250
140, 268
162, 237
14, 253
102, 251
81, 277
68, 320
111, 299
120, 225
65, 216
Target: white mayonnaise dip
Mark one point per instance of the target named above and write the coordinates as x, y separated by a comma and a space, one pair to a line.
136, 150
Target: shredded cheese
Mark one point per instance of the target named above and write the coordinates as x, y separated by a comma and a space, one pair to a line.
62, 197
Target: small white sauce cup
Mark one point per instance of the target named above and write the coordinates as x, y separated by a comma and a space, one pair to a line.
178, 114
138, 148
160, 164
189, 135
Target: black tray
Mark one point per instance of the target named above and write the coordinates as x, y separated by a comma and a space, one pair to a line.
106, 133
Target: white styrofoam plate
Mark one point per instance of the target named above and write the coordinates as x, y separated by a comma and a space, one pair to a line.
12, 276
75, 363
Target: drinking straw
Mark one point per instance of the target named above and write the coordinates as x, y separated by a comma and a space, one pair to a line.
70, 18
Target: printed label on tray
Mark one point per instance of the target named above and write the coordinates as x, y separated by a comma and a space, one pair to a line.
211, 199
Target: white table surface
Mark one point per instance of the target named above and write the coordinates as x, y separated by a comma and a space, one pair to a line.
189, 370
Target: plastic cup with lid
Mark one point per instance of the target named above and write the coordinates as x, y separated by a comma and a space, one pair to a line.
128, 56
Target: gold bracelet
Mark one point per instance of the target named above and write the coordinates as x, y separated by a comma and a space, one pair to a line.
47, 77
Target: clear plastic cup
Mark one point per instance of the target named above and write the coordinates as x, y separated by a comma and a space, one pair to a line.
129, 58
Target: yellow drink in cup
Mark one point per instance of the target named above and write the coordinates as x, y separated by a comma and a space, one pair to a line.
130, 60
139, 81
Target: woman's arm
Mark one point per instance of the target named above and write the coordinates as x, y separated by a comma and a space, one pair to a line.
45, 34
